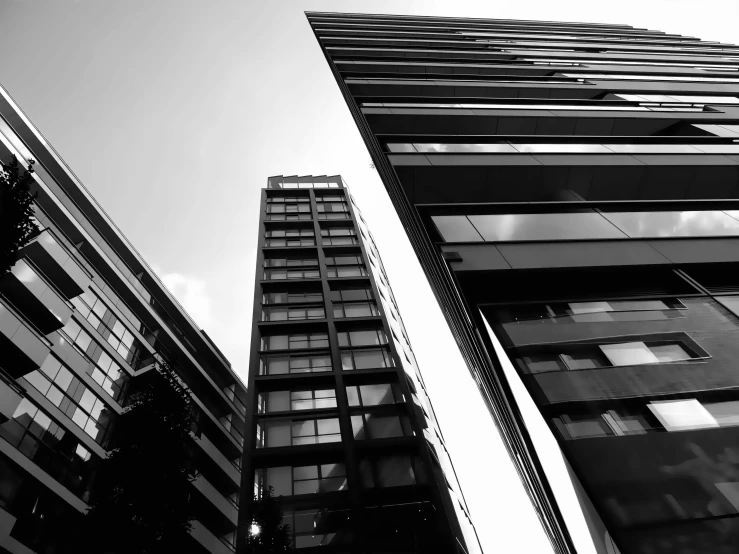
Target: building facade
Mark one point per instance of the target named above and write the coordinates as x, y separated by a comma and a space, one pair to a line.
340, 425
82, 317
572, 193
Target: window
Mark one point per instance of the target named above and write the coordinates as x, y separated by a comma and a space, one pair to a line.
297, 480
681, 415
284, 401
333, 210
390, 471
589, 312
291, 269
355, 309
368, 337
725, 413
41, 439
291, 297
345, 266
373, 358
287, 199
282, 274
354, 302
297, 432
295, 341
586, 225
592, 105
591, 356
374, 395
281, 365
317, 527
339, 236
290, 262
292, 313
106, 372
73, 398
288, 211
290, 237
693, 223
352, 294
111, 328
373, 425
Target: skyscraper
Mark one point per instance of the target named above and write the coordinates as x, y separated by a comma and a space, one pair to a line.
340, 424
82, 320
571, 191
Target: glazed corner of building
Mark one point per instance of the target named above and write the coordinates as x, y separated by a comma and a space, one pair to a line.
82, 310
321, 294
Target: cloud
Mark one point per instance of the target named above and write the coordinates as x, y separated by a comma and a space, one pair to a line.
191, 293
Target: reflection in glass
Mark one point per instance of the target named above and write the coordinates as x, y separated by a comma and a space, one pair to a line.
692, 223
456, 228
513, 227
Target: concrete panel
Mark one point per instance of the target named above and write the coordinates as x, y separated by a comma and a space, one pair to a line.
217, 456
476, 257
687, 251
208, 540
580, 254
218, 500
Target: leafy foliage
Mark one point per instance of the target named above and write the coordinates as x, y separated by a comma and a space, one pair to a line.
273, 535
140, 496
16, 210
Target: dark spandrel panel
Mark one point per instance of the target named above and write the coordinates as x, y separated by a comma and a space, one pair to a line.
580, 285
716, 278
664, 492
714, 536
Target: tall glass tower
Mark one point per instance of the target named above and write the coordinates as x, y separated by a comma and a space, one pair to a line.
572, 193
340, 425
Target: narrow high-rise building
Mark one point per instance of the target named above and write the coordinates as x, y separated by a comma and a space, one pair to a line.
340, 425
572, 193
83, 320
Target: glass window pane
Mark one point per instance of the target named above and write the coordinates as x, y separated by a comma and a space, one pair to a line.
629, 353
352, 396
680, 415
456, 228
589, 307
357, 427
674, 224
373, 395
558, 226
395, 471
725, 413
584, 360
669, 352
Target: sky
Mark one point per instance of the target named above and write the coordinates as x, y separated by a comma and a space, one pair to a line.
174, 113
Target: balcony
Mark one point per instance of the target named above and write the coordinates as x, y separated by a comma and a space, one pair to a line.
23, 349
34, 298
54, 261
208, 540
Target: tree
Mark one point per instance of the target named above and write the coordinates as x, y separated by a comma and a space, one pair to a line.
140, 494
267, 534
17, 226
